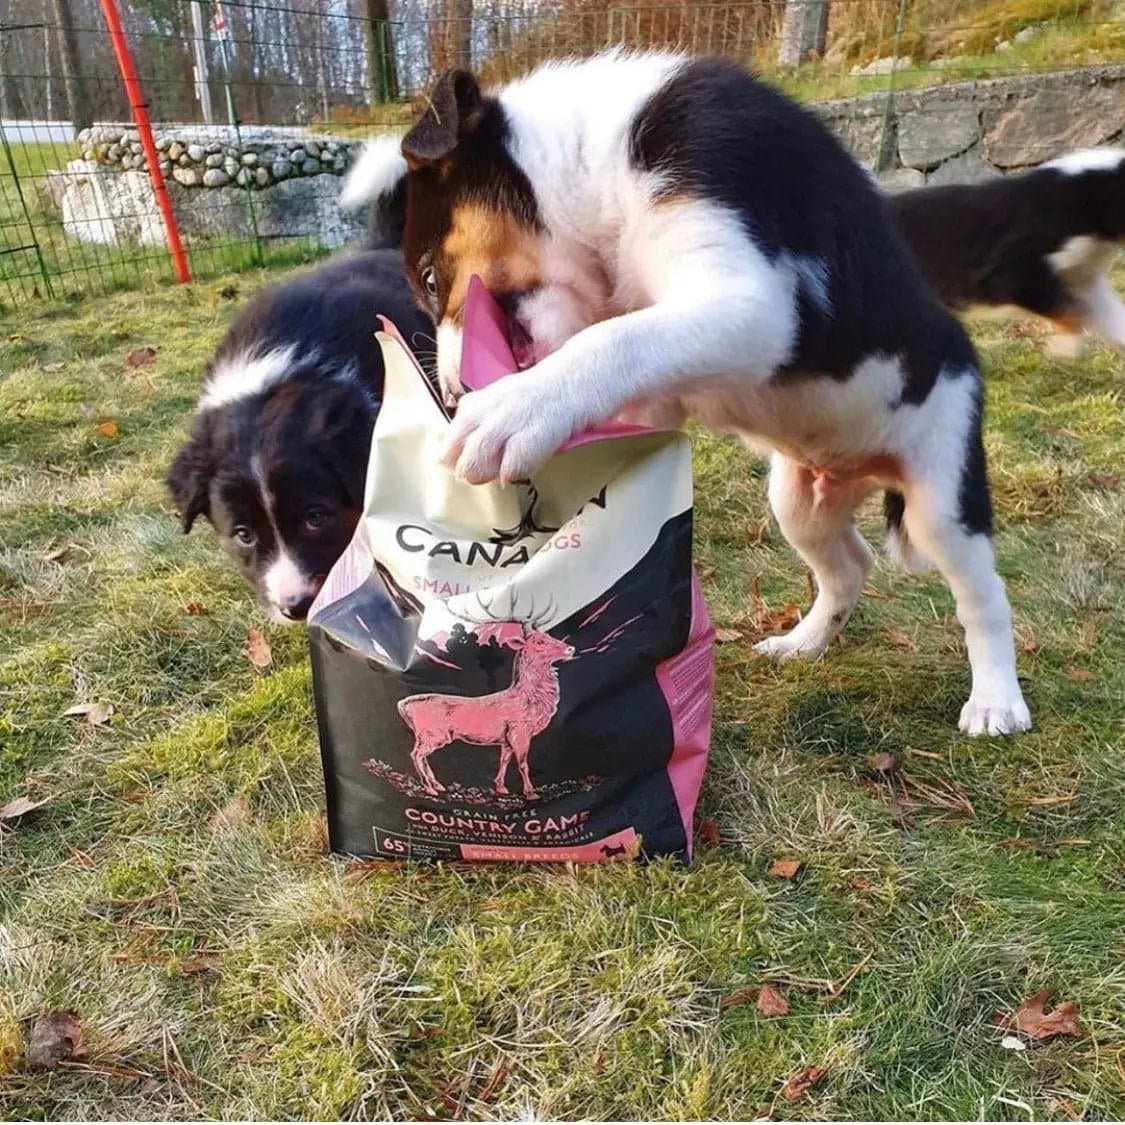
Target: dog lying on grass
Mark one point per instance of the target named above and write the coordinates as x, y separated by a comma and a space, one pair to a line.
279, 443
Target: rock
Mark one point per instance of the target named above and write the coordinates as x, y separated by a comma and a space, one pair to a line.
311, 167
340, 163
163, 144
1026, 35
900, 179
928, 137
281, 169
109, 209
244, 178
861, 136
883, 66
213, 149
1003, 45
113, 155
297, 157
195, 153
313, 150
230, 165
215, 177
87, 154
1051, 121
968, 168
249, 159
184, 160
189, 177
326, 157
175, 150
333, 147
214, 160
261, 176
127, 161
165, 169
136, 148
83, 135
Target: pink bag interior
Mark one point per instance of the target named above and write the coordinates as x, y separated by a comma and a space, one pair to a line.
486, 356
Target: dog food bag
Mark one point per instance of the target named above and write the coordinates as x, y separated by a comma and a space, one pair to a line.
513, 673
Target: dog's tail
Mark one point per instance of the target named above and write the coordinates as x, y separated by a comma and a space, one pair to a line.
378, 177
899, 546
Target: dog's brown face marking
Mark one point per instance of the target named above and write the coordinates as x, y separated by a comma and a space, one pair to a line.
469, 208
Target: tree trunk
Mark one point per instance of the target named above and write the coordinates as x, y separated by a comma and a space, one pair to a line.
382, 74
76, 102
803, 31
459, 31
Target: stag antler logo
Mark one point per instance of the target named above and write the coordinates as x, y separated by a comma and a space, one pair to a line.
507, 719
527, 525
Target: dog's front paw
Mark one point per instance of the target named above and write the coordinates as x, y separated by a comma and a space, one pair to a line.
983, 715
504, 431
797, 644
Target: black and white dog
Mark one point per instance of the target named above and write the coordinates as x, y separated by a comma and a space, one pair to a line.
1042, 241
670, 238
279, 444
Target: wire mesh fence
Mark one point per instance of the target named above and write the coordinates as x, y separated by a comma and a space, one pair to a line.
257, 106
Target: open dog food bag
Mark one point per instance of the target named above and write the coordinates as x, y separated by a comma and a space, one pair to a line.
513, 673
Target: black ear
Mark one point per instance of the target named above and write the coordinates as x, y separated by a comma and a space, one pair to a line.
341, 426
454, 111
189, 477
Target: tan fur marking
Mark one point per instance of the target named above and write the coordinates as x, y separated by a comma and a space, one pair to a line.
493, 245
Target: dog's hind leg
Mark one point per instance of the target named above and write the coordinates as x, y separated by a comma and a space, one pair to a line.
1106, 312
819, 527
948, 516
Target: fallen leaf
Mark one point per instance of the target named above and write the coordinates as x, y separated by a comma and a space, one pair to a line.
901, 640
195, 609
727, 636
769, 621
55, 1037
1032, 1019
708, 833
232, 815
859, 884
200, 963
706, 574
1079, 675
742, 996
58, 554
19, 806
140, 357
800, 1084
784, 868
1109, 481
771, 1003
16, 338
1013, 1043
53, 367
96, 714
258, 649
883, 763
108, 429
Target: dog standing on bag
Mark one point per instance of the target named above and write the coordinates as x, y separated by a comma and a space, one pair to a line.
1042, 241
670, 238
279, 443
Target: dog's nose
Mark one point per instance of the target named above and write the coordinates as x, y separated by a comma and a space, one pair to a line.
296, 610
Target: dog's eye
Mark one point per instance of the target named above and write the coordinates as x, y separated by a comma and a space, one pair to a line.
428, 277
316, 519
245, 535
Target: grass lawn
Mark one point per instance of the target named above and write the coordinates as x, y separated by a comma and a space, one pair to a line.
173, 890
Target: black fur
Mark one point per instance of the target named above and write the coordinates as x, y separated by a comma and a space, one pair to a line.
988, 243
716, 132
306, 435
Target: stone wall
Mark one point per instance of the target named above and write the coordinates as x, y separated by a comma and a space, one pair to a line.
222, 186
969, 131
287, 185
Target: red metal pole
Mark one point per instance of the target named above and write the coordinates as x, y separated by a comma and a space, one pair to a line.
144, 128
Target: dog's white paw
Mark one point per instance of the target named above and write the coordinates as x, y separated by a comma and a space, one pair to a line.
992, 716
797, 644
504, 432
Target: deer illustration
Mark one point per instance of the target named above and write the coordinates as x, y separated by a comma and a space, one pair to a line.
507, 719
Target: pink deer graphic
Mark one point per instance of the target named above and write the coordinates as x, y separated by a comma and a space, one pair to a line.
507, 719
